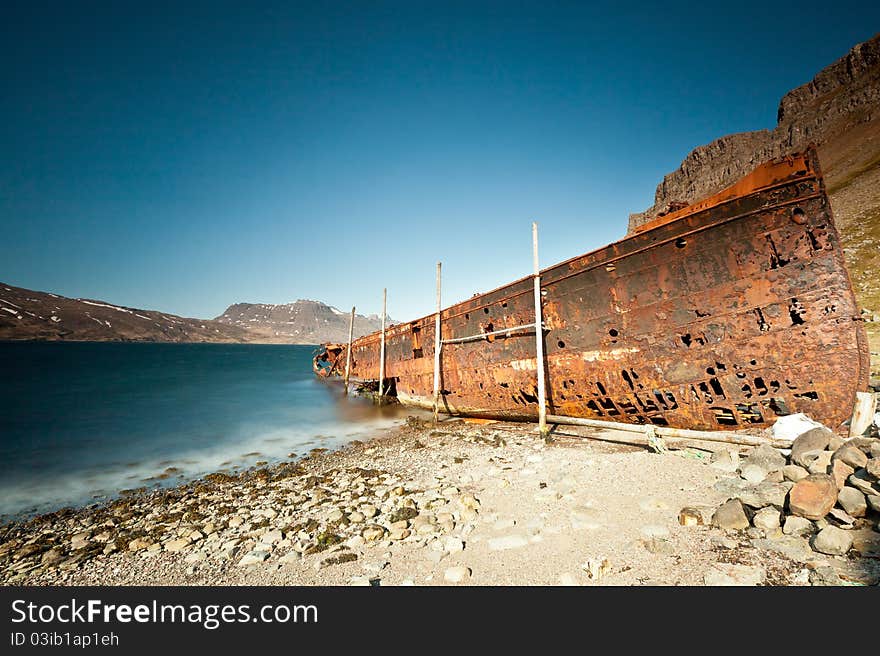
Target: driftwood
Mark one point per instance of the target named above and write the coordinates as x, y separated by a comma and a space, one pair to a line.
680, 435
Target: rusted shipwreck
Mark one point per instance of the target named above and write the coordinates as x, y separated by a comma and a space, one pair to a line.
725, 314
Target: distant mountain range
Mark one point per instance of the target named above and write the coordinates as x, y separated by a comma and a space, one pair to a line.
302, 322
26, 314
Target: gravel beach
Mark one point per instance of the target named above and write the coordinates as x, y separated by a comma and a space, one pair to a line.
462, 503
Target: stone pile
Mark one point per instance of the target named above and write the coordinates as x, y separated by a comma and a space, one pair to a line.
825, 492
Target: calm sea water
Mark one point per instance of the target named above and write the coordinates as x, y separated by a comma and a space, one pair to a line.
81, 421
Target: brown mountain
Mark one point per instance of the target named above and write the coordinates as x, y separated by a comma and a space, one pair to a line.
839, 111
302, 322
30, 315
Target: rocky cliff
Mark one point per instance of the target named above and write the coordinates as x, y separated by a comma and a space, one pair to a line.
302, 322
839, 111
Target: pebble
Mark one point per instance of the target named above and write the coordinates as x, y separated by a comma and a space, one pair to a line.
727, 574
767, 518
253, 558
457, 574
690, 517
177, 545
507, 542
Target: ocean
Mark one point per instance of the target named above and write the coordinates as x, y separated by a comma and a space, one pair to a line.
79, 422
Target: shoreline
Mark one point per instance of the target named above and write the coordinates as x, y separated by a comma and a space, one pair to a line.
473, 503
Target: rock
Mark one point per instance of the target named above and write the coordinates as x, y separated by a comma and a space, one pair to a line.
835, 443
863, 483
690, 517
815, 439
291, 558
177, 545
794, 473
195, 557
731, 516
469, 501
726, 460
832, 541
398, 534
369, 511
457, 574
825, 576
800, 526
728, 574
821, 463
507, 542
403, 514
840, 471
766, 458
866, 542
335, 515
852, 501
873, 467
337, 559
851, 455
373, 532
753, 473
732, 487
658, 545
271, 537
775, 476
452, 544
356, 517
52, 557
766, 518
723, 542
873, 502
253, 558
790, 427
139, 544
813, 496
765, 494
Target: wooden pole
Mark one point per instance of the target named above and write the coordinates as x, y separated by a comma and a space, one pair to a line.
539, 336
863, 413
382, 350
437, 347
348, 352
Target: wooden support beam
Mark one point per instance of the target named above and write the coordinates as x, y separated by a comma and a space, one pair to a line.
437, 346
539, 336
382, 349
679, 433
348, 351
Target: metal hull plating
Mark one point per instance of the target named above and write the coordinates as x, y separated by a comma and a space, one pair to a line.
723, 315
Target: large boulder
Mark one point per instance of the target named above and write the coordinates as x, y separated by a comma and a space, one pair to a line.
852, 501
833, 541
730, 515
851, 455
812, 497
815, 439
765, 458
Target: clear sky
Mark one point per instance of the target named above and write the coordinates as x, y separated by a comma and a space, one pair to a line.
184, 156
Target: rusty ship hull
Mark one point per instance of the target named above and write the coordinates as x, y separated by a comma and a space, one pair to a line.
722, 315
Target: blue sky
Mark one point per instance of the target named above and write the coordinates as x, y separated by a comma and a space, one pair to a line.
186, 158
